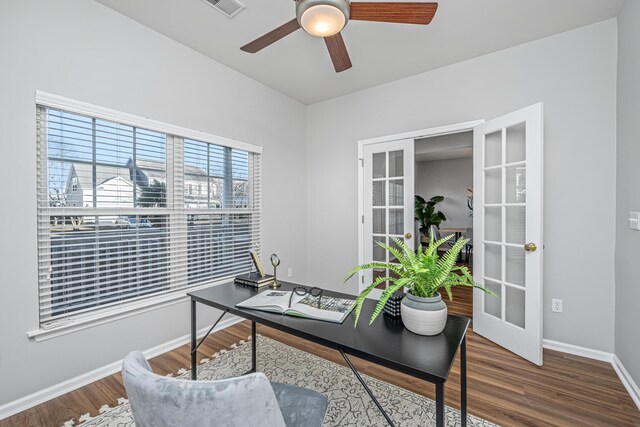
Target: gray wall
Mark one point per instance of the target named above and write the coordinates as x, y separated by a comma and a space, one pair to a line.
627, 330
574, 74
83, 50
448, 178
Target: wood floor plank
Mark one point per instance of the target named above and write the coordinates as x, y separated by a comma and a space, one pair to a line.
567, 391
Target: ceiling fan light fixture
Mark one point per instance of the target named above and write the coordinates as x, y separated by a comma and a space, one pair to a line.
322, 18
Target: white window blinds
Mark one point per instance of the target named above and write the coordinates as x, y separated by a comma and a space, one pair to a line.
126, 213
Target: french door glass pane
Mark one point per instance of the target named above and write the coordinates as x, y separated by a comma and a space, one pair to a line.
516, 223
493, 304
493, 186
396, 221
379, 165
379, 254
396, 192
516, 184
379, 193
515, 306
515, 265
396, 163
393, 244
516, 145
493, 261
493, 223
493, 149
379, 221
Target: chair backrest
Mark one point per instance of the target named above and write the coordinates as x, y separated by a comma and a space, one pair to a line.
468, 234
158, 401
435, 233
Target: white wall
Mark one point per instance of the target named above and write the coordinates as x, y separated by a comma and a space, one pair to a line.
627, 330
448, 178
83, 50
574, 74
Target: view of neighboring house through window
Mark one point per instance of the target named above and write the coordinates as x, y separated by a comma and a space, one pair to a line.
112, 204
224, 173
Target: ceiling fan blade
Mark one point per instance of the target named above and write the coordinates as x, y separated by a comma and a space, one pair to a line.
271, 37
338, 52
401, 13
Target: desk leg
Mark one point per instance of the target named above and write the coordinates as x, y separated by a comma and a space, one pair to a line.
463, 381
254, 343
366, 388
440, 404
194, 353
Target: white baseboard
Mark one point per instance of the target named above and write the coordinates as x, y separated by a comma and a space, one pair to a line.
627, 381
577, 350
19, 405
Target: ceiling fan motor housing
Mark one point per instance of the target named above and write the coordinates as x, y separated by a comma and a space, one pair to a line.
303, 5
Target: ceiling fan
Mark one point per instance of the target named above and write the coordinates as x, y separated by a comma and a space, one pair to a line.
326, 18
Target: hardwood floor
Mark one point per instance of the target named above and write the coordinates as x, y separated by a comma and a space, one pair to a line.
503, 388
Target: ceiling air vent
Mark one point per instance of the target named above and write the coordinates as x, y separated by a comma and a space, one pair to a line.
229, 8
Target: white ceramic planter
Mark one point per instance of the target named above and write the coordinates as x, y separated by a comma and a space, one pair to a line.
424, 316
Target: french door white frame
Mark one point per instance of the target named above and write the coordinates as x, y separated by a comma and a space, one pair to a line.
523, 339
419, 134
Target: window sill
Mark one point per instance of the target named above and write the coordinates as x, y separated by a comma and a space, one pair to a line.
155, 303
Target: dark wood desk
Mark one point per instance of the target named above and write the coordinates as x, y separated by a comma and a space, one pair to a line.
385, 342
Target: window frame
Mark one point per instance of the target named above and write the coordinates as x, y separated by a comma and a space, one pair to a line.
131, 307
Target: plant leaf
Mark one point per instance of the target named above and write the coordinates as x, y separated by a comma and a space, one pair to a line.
363, 296
386, 265
386, 294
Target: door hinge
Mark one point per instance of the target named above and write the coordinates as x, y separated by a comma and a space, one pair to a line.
362, 278
361, 162
363, 219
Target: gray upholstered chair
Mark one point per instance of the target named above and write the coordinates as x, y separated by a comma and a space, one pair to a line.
435, 232
250, 400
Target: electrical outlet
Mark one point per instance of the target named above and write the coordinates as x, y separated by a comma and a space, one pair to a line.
290, 272
556, 305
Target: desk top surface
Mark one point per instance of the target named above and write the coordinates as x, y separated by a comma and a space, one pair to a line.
386, 342
452, 230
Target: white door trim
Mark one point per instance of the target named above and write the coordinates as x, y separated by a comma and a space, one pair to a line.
423, 133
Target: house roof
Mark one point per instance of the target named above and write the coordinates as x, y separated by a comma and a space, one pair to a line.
150, 168
84, 172
155, 169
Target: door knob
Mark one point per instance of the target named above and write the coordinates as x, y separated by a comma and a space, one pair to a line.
407, 235
530, 247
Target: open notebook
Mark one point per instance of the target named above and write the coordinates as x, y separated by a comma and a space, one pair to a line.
329, 309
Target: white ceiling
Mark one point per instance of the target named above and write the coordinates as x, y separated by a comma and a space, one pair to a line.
299, 65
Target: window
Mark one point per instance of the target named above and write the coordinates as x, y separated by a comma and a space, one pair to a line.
119, 222
225, 172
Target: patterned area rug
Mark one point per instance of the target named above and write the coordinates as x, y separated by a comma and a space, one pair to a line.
349, 404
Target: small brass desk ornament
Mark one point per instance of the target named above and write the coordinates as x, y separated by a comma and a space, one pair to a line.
275, 261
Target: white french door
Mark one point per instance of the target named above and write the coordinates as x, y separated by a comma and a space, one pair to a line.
387, 211
507, 178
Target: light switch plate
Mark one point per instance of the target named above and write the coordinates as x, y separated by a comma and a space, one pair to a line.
634, 220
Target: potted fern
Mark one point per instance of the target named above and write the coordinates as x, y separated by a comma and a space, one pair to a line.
422, 275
